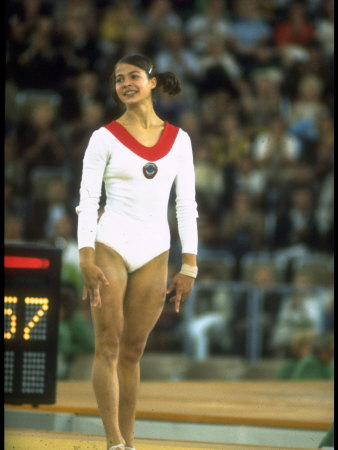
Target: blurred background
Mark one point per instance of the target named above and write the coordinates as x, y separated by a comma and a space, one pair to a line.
257, 102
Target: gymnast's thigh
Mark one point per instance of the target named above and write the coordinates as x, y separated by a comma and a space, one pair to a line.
108, 319
144, 299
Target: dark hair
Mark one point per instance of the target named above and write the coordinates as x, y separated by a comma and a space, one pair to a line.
167, 81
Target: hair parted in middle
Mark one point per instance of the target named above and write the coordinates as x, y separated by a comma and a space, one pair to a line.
167, 81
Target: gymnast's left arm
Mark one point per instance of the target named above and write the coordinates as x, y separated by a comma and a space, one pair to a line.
186, 212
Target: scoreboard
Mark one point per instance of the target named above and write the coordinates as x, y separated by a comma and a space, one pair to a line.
31, 320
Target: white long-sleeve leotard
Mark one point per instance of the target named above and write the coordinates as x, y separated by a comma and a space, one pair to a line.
135, 222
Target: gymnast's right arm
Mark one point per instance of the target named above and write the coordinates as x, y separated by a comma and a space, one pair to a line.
94, 163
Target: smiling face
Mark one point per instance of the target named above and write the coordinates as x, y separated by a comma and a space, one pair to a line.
132, 84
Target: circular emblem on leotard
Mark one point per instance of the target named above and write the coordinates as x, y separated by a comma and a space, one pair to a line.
150, 170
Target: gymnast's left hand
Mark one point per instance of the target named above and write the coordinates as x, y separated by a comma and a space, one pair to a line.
93, 279
183, 286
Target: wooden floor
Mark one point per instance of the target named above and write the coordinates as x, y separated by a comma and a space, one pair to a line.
292, 404
42, 440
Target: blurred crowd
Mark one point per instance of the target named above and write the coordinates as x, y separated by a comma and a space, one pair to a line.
256, 100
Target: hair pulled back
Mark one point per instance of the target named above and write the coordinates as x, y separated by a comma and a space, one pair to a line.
167, 81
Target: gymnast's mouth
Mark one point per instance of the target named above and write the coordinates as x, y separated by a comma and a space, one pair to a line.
129, 93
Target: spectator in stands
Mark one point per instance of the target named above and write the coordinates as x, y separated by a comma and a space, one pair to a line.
251, 35
136, 39
214, 105
47, 209
159, 17
16, 43
121, 31
14, 166
14, 203
14, 229
313, 63
228, 145
58, 204
209, 327
328, 314
208, 178
261, 278
275, 150
300, 311
274, 147
178, 58
323, 151
34, 10
202, 25
242, 226
168, 331
39, 63
307, 109
219, 68
299, 175
266, 277
249, 177
174, 55
191, 124
324, 214
116, 18
85, 90
233, 141
300, 346
160, 14
92, 117
208, 229
297, 224
318, 365
76, 27
76, 336
169, 107
325, 28
64, 237
92, 114
11, 108
297, 29
263, 99
39, 138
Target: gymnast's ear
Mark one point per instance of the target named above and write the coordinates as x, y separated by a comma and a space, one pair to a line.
153, 81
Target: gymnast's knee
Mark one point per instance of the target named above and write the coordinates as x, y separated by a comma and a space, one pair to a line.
107, 345
131, 351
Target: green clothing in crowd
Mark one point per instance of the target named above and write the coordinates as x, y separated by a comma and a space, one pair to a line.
311, 368
75, 337
286, 371
308, 368
328, 439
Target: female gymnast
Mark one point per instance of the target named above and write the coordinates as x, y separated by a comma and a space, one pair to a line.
124, 254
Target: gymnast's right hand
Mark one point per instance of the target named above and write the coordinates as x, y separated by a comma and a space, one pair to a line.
93, 278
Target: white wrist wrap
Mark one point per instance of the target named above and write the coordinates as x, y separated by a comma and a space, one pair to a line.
190, 271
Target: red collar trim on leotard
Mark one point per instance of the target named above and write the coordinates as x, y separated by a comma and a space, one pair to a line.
154, 153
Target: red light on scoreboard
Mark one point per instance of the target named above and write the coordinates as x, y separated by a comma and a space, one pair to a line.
25, 262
